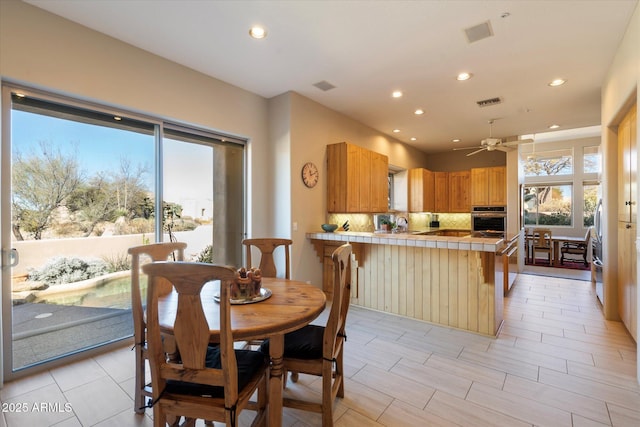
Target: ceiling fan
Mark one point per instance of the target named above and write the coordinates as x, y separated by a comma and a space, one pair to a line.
492, 144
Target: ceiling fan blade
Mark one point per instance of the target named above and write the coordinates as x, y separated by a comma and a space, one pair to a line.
477, 151
467, 148
517, 142
505, 148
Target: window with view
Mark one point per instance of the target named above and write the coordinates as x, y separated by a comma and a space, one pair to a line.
549, 163
548, 205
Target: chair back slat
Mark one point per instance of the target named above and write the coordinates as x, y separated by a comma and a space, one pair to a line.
191, 329
542, 238
335, 329
267, 246
153, 252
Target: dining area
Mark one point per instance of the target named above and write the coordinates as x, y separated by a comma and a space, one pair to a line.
216, 340
555, 248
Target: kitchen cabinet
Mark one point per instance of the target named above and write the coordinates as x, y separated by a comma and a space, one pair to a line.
356, 179
489, 186
441, 191
421, 190
459, 192
627, 167
627, 212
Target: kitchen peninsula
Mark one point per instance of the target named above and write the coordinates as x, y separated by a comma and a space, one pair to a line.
452, 281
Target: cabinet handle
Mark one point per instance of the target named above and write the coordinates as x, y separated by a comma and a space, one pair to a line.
628, 226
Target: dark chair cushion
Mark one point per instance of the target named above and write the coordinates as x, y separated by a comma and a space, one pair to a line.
249, 362
305, 343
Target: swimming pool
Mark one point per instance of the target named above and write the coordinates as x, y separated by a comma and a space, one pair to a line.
112, 292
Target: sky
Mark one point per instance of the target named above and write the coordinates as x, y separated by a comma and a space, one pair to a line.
187, 167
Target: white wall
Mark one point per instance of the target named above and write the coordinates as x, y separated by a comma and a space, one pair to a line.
619, 91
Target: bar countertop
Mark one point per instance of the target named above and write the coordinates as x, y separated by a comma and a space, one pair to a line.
416, 239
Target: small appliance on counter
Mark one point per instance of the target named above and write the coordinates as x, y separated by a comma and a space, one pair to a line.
434, 221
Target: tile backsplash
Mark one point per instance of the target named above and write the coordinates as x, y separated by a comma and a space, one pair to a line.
417, 221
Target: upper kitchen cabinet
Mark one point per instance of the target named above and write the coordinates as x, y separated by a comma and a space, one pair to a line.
459, 192
489, 186
627, 167
421, 190
441, 196
356, 179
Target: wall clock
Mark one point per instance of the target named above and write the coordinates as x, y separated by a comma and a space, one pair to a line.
310, 174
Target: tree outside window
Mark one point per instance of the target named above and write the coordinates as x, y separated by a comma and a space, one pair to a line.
548, 204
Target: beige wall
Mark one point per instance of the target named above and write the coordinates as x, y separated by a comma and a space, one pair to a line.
42, 50
619, 91
451, 161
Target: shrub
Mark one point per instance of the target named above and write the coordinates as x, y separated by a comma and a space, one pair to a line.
68, 270
206, 255
117, 262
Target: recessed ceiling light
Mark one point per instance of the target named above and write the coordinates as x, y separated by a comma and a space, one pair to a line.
464, 76
117, 118
554, 126
413, 138
396, 94
419, 111
557, 82
258, 32
396, 130
455, 140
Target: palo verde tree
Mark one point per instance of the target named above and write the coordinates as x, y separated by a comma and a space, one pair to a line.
42, 181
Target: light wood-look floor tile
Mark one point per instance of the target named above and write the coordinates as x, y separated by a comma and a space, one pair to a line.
557, 362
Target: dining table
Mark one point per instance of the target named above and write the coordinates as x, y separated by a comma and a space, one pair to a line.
556, 242
291, 305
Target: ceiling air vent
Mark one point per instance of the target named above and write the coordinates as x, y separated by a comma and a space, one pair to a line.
324, 85
479, 32
488, 102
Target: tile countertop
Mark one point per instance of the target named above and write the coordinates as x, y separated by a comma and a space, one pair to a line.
483, 244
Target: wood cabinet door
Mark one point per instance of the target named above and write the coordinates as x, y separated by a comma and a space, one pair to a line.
459, 192
627, 273
421, 190
356, 179
479, 185
363, 181
379, 182
337, 177
497, 186
627, 167
441, 191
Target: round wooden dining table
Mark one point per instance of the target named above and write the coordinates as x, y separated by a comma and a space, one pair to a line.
292, 305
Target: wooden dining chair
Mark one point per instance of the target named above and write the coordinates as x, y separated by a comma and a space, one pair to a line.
213, 383
542, 242
153, 252
267, 246
318, 350
576, 248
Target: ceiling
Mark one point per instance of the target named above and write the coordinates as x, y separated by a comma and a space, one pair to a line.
367, 49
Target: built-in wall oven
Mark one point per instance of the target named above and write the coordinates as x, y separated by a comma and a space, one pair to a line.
489, 219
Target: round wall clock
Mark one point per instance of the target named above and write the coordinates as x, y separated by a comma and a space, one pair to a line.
310, 174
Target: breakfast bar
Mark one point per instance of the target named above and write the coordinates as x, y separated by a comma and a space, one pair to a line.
451, 281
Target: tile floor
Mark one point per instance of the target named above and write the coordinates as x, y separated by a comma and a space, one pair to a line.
557, 362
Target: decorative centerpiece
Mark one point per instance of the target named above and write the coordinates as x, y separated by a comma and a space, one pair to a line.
247, 284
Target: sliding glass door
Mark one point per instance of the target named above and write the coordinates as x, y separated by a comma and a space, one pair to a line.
85, 185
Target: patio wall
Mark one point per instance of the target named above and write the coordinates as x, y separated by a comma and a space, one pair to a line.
35, 253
